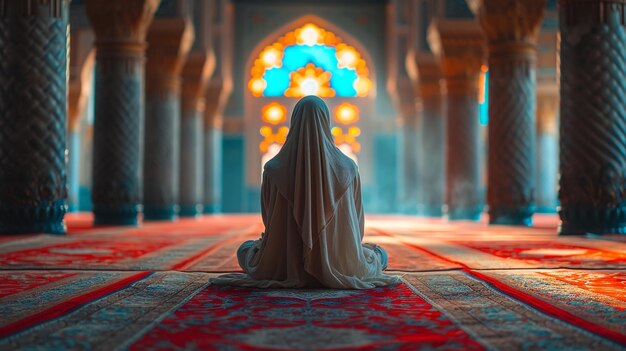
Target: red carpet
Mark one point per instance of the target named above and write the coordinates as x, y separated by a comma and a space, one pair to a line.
563, 297
385, 317
601, 315
22, 291
551, 253
467, 286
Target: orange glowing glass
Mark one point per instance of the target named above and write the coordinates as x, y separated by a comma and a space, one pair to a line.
310, 80
362, 86
271, 138
354, 131
274, 113
347, 139
257, 86
346, 113
481, 84
272, 56
309, 34
347, 56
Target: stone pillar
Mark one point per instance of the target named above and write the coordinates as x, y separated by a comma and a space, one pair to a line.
169, 41
409, 125
33, 74
120, 27
213, 147
511, 28
592, 187
459, 45
428, 87
196, 72
216, 95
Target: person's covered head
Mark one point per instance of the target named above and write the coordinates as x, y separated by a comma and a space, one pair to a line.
311, 112
309, 138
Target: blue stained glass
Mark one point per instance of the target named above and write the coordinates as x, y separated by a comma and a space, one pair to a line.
343, 81
298, 56
277, 81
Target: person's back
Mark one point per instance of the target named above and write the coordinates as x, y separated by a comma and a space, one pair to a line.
313, 215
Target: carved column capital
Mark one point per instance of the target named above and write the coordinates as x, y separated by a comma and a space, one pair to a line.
216, 94
460, 46
169, 41
429, 76
121, 24
195, 76
510, 26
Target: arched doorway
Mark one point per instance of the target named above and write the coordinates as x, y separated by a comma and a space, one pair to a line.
307, 57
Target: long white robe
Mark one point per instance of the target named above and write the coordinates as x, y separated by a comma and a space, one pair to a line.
313, 216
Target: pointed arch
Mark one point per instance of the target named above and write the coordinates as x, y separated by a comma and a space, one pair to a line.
352, 75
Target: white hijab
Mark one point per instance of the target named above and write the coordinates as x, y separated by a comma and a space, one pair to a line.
310, 171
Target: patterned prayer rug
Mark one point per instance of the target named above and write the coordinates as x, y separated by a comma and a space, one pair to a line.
466, 285
127, 253
82, 223
525, 250
401, 257
562, 293
28, 298
209, 245
176, 251
429, 311
550, 253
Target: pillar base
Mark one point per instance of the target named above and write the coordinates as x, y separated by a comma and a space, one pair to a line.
125, 215
159, 213
518, 217
44, 218
212, 209
467, 214
592, 220
190, 210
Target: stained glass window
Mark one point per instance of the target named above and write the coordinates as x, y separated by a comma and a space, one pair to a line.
483, 96
309, 61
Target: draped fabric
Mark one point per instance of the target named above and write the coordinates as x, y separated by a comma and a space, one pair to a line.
309, 171
313, 215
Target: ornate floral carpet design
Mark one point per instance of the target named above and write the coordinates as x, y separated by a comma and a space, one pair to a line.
465, 286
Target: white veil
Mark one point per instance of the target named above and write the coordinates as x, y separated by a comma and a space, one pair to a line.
310, 171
